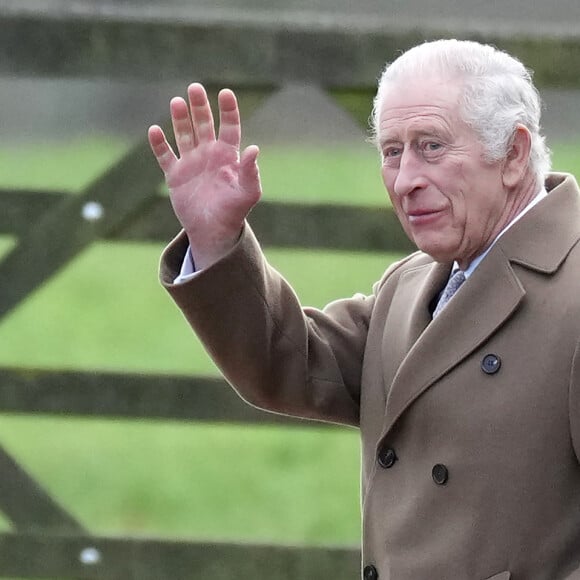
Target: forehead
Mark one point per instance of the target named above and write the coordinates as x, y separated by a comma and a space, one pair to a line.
427, 106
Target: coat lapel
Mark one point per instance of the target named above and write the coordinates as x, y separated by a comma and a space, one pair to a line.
481, 306
410, 312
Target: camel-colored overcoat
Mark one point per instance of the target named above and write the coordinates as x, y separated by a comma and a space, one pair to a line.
470, 423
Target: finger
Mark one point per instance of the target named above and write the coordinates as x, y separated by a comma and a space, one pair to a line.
230, 128
201, 113
161, 148
182, 127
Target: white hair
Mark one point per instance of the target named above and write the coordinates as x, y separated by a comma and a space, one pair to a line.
498, 93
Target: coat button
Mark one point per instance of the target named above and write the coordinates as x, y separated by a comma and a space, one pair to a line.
490, 364
370, 573
440, 474
386, 457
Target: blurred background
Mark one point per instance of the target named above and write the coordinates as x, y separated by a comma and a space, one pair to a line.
73, 101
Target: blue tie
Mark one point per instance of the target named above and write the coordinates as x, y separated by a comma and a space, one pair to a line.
453, 285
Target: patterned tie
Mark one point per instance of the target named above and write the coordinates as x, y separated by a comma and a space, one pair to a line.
453, 285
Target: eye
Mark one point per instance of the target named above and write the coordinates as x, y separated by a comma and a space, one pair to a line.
392, 152
392, 156
432, 146
431, 149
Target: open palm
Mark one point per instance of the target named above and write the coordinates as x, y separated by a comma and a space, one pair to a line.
212, 187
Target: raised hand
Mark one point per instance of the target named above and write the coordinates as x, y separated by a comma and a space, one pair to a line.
212, 187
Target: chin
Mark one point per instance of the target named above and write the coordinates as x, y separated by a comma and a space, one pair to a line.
436, 251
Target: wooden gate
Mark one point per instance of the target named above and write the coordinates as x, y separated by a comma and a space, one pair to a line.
85, 38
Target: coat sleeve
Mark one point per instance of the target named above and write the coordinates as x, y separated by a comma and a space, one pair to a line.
277, 355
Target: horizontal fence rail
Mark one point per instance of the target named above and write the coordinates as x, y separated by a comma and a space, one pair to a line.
281, 224
107, 558
129, 396
137, 41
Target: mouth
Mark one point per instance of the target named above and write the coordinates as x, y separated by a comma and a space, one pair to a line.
424, 216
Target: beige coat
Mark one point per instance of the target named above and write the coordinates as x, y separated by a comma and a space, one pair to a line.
470, 423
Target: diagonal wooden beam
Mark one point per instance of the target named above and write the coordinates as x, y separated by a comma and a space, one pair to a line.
65, 230
26, 504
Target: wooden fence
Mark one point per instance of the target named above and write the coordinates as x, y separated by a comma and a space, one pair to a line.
78, 39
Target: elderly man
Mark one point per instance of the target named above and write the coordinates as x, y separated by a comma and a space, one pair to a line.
462, 368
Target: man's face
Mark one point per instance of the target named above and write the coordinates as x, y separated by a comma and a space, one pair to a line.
451, 202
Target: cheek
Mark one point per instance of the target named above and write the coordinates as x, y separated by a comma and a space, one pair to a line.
389, 177
449, 177
400, 214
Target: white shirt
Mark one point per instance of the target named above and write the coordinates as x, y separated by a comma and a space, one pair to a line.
187, 271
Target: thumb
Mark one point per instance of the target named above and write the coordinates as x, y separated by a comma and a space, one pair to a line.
249, 176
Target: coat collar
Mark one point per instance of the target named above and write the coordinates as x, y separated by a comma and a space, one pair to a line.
424, 351
550, 229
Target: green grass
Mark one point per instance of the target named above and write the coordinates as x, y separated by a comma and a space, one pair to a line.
566, 157
340, 175
345, 175
189, 480
107, 311
59, 165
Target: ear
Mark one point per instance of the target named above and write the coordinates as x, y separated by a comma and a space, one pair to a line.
518, 157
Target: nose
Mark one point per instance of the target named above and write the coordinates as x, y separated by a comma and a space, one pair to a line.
410, 175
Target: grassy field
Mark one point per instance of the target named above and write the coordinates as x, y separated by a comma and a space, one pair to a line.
107, 311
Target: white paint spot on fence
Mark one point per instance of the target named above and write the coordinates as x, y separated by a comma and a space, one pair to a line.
90, 557
93, 211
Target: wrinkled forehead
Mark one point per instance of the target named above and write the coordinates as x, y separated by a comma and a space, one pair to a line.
430, 102
428, 90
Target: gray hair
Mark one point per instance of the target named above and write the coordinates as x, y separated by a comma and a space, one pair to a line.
498, 93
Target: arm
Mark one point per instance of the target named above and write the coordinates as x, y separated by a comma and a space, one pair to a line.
277, 355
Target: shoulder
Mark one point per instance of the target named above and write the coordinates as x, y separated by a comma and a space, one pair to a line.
411, 262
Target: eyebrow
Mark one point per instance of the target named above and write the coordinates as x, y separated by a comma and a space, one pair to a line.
415, 136
385, 142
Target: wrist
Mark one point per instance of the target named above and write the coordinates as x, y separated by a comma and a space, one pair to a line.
207, 253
